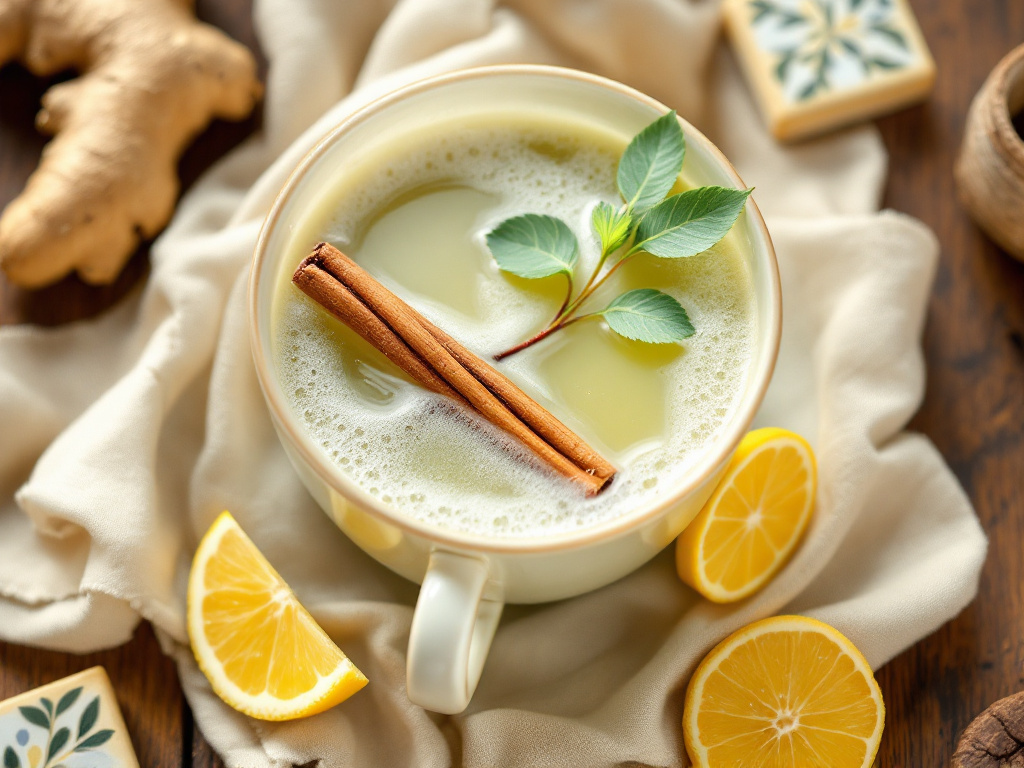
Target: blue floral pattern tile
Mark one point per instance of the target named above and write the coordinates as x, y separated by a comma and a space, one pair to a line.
817, 65
72, 723
823, 45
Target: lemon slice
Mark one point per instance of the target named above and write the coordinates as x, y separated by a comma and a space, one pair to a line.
754, 519
261, 650
785, 692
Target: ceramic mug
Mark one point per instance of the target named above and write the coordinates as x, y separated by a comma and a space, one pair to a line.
467, 578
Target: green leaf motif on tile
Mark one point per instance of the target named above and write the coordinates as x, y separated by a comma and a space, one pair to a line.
47, 705
817, 46
648, 315
533, 246
823, 63
60, 738
828, 8
761, 9
11, 759
96, 740
784, 63
766, 9
68, 700
651, 163
691, 222
884, 63
807, 91
851, 47
894, 35
89, 716
784, 11
36, 716
791, 19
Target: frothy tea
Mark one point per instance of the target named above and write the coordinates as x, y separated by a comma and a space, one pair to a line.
416, 218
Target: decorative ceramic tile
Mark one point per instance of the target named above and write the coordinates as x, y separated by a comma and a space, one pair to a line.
72, 723
819, 64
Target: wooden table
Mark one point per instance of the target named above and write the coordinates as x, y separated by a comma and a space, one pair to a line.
973, 408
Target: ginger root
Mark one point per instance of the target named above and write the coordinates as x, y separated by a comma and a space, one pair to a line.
152, 77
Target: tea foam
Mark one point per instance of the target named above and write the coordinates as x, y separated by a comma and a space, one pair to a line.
430, 458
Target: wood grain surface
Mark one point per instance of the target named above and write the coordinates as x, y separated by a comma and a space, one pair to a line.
973, 408
974, 402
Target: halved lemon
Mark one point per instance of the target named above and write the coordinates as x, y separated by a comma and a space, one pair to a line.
261, 650
754, 519
785, 692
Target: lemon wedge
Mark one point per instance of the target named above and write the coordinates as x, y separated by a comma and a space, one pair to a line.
785, 692
754, 519
260, 649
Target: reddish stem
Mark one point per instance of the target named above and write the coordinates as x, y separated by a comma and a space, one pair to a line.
529, 342
565, 303
568, 308
543, 334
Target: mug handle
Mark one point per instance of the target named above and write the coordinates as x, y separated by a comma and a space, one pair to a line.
451, 633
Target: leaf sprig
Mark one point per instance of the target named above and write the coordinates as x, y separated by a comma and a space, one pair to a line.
678, 226
46, 718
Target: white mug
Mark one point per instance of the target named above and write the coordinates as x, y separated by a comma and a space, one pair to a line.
467, 578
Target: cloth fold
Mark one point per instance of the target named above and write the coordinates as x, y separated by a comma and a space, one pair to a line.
122, 438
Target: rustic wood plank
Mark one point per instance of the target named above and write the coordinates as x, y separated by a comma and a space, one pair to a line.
201, 753
974, 405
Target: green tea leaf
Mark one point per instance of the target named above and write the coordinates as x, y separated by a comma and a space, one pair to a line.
11, 759
97, 739
691, 222
60, 738
648, 315
88, 719
68, 699
533, 245
611, 225
651, 163
35, 715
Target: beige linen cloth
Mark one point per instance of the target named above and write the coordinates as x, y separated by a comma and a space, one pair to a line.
123, 437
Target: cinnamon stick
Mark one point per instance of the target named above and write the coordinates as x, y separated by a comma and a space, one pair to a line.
526, 408
323, 288
442, 365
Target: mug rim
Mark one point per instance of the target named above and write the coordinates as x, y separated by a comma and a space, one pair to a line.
721, 449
